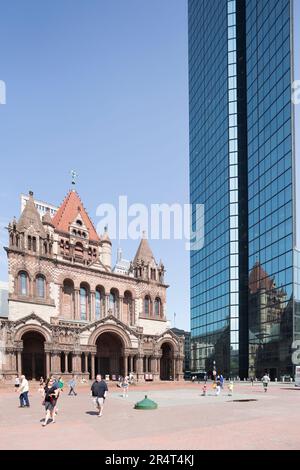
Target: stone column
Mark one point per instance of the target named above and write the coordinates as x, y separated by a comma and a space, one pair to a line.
153, 365
106, 304
125, 364
131, 363
139, 365
158, 366
66, 362
86, 362
47, 364
76, 305
19, 362
174, 369
76, 367
120, 316
93, 366
55, 362
60, 300
93, 307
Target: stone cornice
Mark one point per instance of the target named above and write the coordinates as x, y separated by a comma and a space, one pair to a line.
107, 320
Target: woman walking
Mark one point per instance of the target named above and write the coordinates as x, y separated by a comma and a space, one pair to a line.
50, 399
125, 386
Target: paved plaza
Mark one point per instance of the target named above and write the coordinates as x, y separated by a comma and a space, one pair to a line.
184, 419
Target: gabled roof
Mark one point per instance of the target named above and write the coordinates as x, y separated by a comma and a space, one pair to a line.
68, 212
31, 218
144, 252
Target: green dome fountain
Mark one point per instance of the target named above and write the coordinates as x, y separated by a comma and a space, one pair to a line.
146, 404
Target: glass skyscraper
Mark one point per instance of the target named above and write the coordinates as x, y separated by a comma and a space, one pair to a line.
244, 314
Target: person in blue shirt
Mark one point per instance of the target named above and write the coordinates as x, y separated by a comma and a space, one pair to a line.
72, 385
222, 381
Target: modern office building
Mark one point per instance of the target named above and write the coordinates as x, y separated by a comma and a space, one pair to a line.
244, 292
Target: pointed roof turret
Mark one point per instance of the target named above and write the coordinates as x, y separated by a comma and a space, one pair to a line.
144, 252
31, 218
67, 213
105, 236
47, 220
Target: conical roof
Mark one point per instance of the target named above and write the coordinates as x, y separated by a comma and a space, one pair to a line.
47, 220
31, 218
144, 252
105, 236
68, 212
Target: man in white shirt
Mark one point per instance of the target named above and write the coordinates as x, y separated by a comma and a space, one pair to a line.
265, 381
24, 389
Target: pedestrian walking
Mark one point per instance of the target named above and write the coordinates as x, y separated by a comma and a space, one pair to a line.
252, 381
204, 390
218, 386
230, 388
17, 383
41, 385
72, 385
222, 381
99, 392
125, 386
24, 389
60, 384
50, 399
265, 381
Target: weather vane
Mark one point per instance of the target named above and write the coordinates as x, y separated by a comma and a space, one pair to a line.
74, 176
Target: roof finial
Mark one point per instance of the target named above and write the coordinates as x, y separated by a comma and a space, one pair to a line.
74, 177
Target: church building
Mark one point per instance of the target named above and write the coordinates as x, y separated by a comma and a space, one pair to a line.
71, 312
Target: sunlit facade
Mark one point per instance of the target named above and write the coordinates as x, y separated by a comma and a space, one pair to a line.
243, 310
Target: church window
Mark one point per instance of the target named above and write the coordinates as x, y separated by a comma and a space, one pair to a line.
23, 283
147, 303
98, 305
83, 303
40, 286
157, 307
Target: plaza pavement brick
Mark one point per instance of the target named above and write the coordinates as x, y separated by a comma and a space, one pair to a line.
184, 419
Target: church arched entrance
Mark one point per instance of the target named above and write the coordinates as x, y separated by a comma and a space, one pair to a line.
33, 355
166, 362
109, 357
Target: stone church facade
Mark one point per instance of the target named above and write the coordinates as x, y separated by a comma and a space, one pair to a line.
70, 313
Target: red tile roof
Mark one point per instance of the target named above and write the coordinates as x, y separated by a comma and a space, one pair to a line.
259, 279
67, 213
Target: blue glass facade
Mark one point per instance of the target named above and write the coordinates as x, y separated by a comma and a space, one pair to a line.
241, 169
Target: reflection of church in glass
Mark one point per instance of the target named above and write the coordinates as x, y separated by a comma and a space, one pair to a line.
270, 324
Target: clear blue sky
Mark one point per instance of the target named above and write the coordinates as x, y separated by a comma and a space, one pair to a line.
99, 86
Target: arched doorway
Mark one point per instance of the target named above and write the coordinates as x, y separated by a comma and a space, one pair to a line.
109, 358
166, 362
33, 355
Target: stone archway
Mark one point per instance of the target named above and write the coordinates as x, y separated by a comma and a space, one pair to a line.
167, 371
33, 355
109, 358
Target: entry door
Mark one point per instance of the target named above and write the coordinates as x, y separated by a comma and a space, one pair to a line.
27, 365
104, 365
